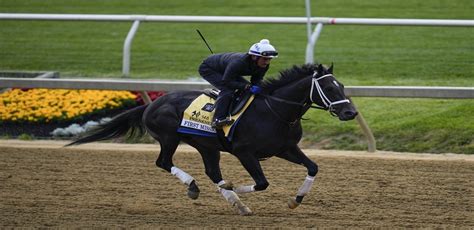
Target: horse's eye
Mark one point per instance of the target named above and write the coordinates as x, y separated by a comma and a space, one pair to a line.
329, 89
341, 85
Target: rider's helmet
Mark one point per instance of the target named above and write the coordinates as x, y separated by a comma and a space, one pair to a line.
263, 49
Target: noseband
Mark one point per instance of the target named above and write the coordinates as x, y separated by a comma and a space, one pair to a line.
327, 103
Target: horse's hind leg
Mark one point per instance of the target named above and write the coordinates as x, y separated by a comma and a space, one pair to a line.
169, 143
162, 124
165, 161
211, 160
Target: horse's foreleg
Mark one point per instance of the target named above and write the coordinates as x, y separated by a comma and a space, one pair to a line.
253, 167
296, 156
304, 189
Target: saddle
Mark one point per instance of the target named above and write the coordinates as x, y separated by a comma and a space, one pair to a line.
239, 99
197, 117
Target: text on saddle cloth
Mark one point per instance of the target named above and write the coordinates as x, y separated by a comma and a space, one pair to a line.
197, 117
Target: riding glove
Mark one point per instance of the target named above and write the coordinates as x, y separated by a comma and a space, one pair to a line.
255, 89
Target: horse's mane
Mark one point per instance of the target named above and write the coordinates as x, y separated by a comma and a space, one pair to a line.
288, 76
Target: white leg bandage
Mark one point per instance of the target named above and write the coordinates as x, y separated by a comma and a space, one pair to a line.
245, 189
182, 175
304, 189
229, 195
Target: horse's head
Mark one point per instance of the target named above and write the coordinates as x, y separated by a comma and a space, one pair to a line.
328, 94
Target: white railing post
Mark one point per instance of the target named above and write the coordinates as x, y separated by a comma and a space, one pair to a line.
309, 54
127, 47
312, 43
308, 17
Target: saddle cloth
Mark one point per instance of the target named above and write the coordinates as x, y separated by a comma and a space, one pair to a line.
198, 116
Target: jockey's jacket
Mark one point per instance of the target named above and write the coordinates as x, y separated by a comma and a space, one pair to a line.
234, 65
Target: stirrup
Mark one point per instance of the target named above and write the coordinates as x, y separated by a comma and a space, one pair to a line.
218, 124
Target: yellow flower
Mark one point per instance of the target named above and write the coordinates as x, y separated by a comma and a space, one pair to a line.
50, 104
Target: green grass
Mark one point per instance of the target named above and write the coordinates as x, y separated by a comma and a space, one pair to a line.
363, 55
414, 125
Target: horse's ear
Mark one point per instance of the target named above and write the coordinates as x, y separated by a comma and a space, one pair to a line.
331, 68
320, 68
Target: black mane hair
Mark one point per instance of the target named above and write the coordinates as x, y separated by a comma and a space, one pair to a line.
288, 76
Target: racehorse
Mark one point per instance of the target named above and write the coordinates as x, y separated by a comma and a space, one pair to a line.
271, 126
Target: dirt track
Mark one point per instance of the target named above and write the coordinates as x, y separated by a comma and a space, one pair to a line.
109, 185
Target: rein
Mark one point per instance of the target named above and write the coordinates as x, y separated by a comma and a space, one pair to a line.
303, 106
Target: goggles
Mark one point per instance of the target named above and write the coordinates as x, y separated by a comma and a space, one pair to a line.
269, 53
266, 53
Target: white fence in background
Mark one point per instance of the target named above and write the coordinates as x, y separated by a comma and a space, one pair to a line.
312, 37
161, 85
236, 19
166, 85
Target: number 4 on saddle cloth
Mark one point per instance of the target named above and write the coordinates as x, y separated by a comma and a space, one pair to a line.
198, 116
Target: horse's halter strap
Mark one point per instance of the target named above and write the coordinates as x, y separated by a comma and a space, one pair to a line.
327, 103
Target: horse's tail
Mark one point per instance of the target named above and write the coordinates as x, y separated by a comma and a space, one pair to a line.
117, 127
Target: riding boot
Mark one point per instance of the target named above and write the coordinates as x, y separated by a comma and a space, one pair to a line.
220, 113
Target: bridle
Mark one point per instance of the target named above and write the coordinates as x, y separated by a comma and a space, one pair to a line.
328, 104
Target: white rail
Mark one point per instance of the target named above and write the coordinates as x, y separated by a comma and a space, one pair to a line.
237, 19
319, 21
165, 85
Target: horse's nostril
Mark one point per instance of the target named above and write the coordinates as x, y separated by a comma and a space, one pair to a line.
350, 113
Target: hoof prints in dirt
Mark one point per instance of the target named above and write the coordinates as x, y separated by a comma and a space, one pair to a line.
90, 188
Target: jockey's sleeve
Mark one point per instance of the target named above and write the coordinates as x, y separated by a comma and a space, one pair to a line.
232, 71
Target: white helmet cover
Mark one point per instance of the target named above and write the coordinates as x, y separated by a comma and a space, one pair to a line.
263, 49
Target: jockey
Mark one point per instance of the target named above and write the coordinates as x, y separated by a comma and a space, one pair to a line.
225, 71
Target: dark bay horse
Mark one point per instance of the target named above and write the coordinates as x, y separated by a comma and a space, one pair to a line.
269, 127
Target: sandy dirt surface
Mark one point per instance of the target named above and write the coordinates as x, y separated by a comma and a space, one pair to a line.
117, 185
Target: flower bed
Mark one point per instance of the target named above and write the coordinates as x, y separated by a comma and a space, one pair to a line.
39, 111
46, 105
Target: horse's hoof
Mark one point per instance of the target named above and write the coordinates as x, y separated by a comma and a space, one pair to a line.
243, 209
193, 190
292, 203
193, 195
